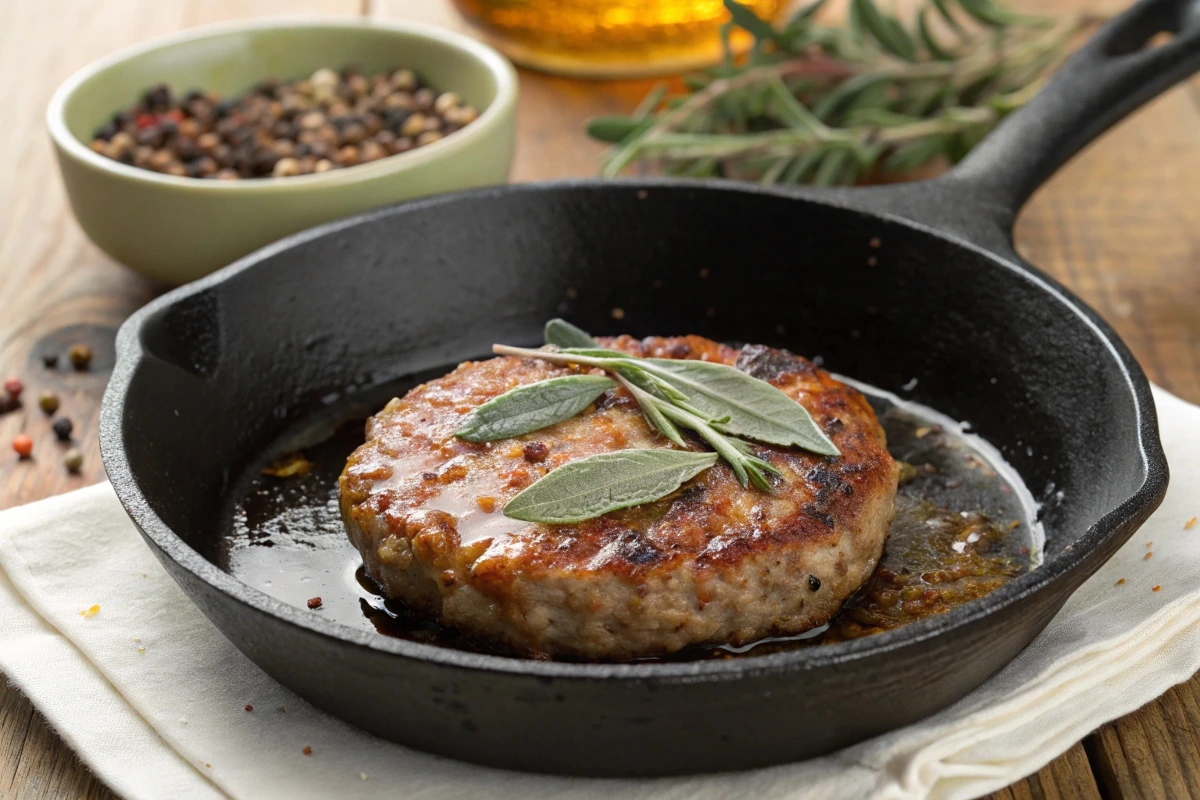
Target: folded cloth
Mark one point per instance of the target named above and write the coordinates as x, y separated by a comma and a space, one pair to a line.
158, 703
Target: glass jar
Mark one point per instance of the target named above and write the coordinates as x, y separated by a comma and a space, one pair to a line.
608, 38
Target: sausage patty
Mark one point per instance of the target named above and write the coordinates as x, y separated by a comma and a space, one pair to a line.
712, 563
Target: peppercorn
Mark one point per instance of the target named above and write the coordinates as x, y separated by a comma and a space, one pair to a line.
446, 101
50, 360
371, 150
423, 99
814, 583
62, 428
23, 445
202, 167
187, 149
428, 137
160, 160
13, 388
354, 133
80, 356
286, 167
157, 98
314, 602
413, 125
404, 79
73, 460
48, 401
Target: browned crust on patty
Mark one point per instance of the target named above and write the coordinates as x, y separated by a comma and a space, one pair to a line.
712, 563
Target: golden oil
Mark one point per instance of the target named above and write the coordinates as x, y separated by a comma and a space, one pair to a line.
608, 38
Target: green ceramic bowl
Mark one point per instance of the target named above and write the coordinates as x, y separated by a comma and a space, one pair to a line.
177, 229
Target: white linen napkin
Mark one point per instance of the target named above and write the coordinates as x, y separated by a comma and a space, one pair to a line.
154, 699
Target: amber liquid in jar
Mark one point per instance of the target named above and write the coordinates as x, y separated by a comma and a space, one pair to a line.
609, 38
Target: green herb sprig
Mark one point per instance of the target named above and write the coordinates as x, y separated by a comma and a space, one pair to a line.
722, 405
828, 104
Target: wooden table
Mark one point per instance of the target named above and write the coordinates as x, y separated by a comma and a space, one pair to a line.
1118, 226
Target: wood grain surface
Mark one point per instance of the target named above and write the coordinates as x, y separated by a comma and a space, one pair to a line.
1119, 226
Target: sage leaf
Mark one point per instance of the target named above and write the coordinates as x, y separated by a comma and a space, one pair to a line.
532, 407
561, 333
602, 483
756, 409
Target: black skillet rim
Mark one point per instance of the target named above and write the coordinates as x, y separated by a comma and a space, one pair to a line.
130, 353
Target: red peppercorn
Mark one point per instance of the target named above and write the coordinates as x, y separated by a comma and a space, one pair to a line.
145, 120
14, 387
23, 445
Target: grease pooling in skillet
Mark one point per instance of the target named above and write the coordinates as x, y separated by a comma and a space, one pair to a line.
965, 525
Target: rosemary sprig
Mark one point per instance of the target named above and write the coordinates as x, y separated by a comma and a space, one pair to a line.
824, 104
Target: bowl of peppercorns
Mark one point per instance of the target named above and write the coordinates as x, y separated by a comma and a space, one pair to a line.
183, 154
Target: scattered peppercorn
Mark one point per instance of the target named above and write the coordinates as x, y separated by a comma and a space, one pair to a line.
314, 602
80, 356
48, 401
73, 460
307, 751
13, 387
23, 445
814, 583
50, 360
62, 428
249, 707
326, 121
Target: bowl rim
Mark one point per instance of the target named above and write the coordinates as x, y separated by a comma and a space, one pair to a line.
1090, 544
489, 120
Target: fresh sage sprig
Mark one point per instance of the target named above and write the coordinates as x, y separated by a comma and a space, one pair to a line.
605, 482
821, 103
718, 403
726, 399
532, 407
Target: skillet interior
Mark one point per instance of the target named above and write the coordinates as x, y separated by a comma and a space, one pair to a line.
210, 373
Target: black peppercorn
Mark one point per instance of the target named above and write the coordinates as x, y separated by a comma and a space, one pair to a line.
157, 98
62, 428
814, 583
50, 360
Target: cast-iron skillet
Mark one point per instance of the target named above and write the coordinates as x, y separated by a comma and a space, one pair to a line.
208, 374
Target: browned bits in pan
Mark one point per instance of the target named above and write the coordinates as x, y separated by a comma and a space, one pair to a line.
281, 129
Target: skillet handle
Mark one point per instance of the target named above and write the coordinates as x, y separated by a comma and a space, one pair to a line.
1114, 73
